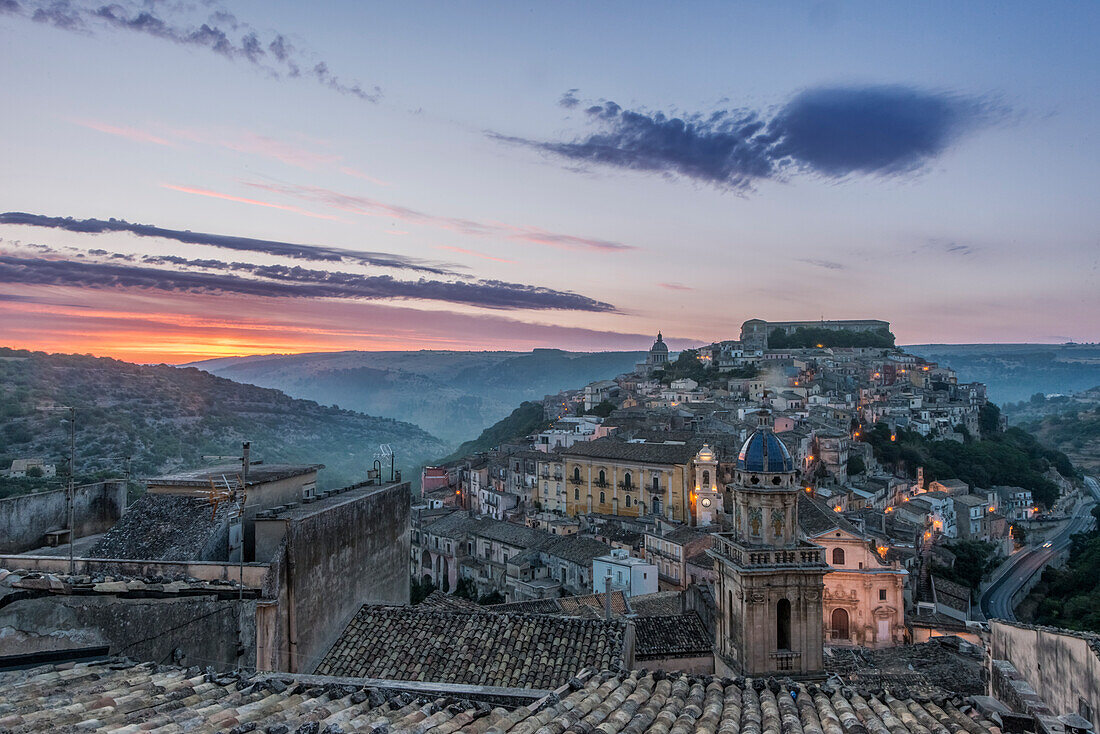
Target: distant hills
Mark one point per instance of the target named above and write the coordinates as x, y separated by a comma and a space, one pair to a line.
1015, 372
453, 395
166, 417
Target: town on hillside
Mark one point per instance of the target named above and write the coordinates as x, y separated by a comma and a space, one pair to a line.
804, 524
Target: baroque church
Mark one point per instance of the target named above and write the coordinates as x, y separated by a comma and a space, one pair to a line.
769, 581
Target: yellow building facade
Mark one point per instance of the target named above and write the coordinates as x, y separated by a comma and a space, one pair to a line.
616, 478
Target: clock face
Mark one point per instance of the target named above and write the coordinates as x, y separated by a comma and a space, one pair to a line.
706, 502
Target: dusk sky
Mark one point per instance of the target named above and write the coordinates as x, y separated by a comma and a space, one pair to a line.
186, 179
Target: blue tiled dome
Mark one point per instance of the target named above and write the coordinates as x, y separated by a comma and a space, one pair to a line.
752, 456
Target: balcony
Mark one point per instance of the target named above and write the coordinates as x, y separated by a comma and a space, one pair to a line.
746, 556
576, 481
626, 487
602, 485
785, 659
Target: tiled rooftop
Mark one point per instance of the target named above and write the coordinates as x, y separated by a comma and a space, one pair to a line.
587, 605
477, 648
680, 636
648, 453
168, 527
124, 698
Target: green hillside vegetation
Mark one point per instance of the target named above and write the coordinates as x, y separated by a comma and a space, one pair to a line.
687, 366
167, 418
805, 337
1013, 457
1070, 596
1068, 423
528, 418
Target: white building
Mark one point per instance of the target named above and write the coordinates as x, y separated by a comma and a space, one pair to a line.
20, 467
632, 576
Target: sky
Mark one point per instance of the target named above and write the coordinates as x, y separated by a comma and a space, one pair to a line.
188, 179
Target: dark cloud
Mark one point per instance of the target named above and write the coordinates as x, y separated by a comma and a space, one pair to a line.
829, 131
569, 100
827, 264
315, 253
221, 33
278, 281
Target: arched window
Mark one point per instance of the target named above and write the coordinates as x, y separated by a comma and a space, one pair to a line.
730, 628
603, 479
577, 473
603, 498
839, 624
577, 493
628, 500
706, 479
838, 556
626, 479
783, 625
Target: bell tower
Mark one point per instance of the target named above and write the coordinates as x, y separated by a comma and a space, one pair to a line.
706, 499
770, 581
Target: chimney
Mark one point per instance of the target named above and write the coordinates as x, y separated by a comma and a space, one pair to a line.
607, 597
246, 459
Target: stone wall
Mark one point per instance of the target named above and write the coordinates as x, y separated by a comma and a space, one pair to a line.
1062, 666
198, 630
25, 519
337, 554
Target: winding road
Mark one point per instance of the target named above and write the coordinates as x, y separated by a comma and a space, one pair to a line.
996, 602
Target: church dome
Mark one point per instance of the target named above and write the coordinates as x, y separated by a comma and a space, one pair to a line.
764, 452
659, 345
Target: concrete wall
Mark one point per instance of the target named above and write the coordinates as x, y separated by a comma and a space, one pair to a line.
25, 519
1060, 665
205, 630
353, 550
255, 574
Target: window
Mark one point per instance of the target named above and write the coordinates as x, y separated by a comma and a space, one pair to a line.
656, 484
882, 594
626, 479
783, 625
603, 498
838, 556
576, 494
577, 473
706, 479
628, 500
602, 479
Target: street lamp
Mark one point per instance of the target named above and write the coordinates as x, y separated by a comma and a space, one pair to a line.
71, 494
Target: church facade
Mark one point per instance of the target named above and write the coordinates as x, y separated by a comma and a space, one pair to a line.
769, 581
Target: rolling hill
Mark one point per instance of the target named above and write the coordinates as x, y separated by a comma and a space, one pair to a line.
1015, 372
165, 417
453, 395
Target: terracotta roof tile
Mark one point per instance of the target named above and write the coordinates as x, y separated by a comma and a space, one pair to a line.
477, 648
145, 697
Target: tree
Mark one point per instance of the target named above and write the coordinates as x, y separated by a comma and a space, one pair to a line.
466, 589
856, 465
35, 472
989, 419
602, 409
493, 597
419, 590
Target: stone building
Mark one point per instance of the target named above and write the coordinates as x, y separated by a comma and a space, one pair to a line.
632, 479
863, 601
770, 582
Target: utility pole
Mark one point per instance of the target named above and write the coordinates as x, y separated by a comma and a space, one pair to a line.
71, 494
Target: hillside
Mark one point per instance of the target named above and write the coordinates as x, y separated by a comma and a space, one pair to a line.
1014, 372
166, 417
1069, 423
453, 395
523, 421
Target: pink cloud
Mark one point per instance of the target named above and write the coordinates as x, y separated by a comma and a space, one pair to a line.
675, 287
247, 142
375, 208
254, 202
130, 133
474, 253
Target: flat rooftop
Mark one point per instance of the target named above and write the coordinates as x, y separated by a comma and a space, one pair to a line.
257, 474
324, 501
